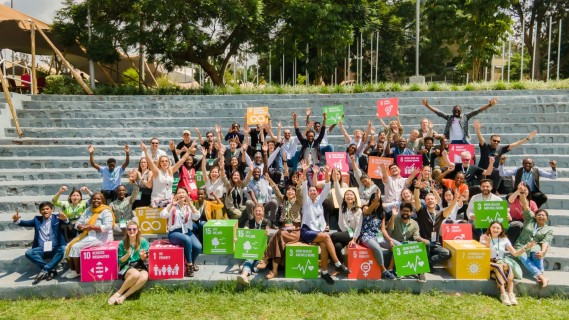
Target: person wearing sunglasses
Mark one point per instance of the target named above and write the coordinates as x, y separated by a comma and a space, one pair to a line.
133, 253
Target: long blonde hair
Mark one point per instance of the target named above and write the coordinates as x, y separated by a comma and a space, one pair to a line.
126, 240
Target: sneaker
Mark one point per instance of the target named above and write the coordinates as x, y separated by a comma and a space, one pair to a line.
394, 273
505, 299
242, 279
387, 275
327, 277
64, 275
513, 300
422, 278
41, 276
51, 275
72, 274
343, 269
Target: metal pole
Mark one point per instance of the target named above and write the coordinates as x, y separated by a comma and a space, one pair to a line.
270, 68
348, 77
371, 59
503, 52
522, 47
549, 47
509, 56
418, 8
283, 73
376, 56
559, 49
345, 70
361, 58
534, 52
235, 67
492, 69
91, 63
307, 60
257, 71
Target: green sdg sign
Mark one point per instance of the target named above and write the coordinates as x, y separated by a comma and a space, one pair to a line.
334, 114
486, 212
251, 244
218, 236
411, 259
301, 262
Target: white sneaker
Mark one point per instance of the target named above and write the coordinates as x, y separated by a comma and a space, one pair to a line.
72, 274
505, 299
513, 299
64, 275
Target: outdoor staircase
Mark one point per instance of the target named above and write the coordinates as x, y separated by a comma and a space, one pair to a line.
57, 130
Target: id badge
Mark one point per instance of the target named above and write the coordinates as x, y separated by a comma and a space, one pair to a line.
433, 237
261, 199
92, 234
122, 223
380, 238
47, 246
350, 232
139, 196
193, 186
210, 162
258, 147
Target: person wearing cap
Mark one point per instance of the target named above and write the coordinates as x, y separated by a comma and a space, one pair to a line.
111, 177
186, 144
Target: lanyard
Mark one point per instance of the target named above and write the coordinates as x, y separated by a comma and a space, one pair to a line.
535, 230
404, 228
496, 246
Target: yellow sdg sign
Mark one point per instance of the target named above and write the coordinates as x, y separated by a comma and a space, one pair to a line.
257, 115
150, 221
468, 259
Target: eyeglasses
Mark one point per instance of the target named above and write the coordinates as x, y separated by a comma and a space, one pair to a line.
153, 142
209, 136
497, 141
131, 229
287, 133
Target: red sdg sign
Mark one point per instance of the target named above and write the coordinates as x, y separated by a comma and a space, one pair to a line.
387, 107
362, 264
456, 231
166, 261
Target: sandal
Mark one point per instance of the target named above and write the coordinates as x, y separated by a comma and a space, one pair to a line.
121, 299
113, 299
271, 275
196, 268
262, 264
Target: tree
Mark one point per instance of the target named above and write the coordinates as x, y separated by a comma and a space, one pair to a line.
174, 32
477, 26
536, 15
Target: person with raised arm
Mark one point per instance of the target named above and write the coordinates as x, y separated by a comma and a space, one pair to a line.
456, 128
73, 208
236, 194
530, 175
186, 172
314, 224
310, 147
122, 207
111, 177
162, 177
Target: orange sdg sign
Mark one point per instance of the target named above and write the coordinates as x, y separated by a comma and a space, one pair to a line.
387, 107
374, 166
257, 115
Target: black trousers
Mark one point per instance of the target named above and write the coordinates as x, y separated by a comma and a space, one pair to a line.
340, 240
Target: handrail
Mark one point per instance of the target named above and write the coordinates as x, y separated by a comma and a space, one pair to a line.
28, 69
10, 104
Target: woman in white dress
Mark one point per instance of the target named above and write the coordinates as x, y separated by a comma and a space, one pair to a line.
96, 224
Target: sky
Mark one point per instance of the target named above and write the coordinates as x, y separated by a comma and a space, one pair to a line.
43, 10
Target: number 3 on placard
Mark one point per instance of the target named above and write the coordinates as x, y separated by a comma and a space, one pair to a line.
480, 206
290, 253
398, 251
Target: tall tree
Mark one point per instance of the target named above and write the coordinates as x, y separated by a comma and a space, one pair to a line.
476, 26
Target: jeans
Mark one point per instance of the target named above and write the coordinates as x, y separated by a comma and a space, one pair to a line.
191, 244
37, 256
532, 263
323, 150
376, 248
249, 265
437, 254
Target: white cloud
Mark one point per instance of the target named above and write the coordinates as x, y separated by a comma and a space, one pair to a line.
43, 10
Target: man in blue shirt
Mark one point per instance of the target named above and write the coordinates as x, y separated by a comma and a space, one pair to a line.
530, 175
111, 177
48, 240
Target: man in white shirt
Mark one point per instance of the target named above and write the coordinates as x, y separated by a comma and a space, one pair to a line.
393, 185
486, 195
155, 151
289, 144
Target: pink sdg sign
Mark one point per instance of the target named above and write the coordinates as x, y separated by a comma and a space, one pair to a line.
338, 160
409, 163
166, 261
454, 151
100, 263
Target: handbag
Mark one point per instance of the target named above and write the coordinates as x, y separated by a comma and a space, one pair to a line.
514, 266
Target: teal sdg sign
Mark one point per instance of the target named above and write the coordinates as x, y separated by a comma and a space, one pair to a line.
301, 262
486, 212
411, 258
334, 114
250, 244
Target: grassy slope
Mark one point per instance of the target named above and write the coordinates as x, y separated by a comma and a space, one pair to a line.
231, 303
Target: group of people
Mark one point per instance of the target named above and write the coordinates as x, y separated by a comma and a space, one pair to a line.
282, 183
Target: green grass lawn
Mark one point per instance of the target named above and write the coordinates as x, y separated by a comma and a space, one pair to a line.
226, 302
